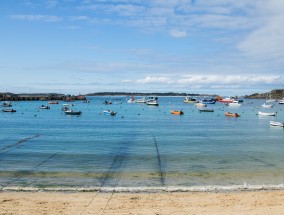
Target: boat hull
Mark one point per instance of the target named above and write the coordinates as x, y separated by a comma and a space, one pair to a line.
266, 113
279, 124
176, 112
232, 114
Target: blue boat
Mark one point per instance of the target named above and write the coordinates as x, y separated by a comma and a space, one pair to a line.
208, 101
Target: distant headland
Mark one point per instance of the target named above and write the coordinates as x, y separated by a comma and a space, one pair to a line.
273, 94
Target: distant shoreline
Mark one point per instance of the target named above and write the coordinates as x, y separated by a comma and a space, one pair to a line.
274, 94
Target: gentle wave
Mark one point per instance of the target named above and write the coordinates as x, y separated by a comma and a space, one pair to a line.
213, 188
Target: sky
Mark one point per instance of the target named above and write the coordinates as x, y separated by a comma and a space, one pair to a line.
226, 47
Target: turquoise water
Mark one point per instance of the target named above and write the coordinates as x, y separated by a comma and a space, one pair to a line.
140, 147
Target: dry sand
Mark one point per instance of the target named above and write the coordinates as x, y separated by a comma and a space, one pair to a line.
245, 202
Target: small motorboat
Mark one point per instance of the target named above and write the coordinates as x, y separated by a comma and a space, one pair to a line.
281, 101
208, 101
273, 123
141, 100
267, 105
67, 104
267, 113
206, 110
234, 103
152, 101
176, 112
232, 114
200, 105
109, 112
189, 100
226, 100
131, 100
9, 110
64, 108
71, 112
7, 104
44, 107
107, 102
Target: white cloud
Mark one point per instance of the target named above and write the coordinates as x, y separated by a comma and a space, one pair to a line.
218, 80
45, 18
178, 33
154, 80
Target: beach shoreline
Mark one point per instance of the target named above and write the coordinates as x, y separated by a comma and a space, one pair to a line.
233, 202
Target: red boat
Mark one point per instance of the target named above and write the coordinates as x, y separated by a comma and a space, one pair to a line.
226, 100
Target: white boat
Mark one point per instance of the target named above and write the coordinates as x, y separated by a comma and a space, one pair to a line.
131, 100
281, 101
142, 100
267, 113
235, 103
264, 105
270, 100
68, 105
44, 107
200, 105
7, 104
109, 112
9, 110
273, 123
152, 101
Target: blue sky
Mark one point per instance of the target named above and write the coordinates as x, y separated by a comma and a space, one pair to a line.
226, 47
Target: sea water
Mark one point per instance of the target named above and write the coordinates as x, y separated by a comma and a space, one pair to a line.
141, 147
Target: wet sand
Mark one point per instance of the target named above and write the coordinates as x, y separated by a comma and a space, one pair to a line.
244, 202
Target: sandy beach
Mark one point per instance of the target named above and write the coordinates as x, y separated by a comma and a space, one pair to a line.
244, 202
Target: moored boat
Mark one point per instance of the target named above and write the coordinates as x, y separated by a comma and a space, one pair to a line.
232, 114
71, 112
189, 100
274, 123
234, 103
64, 108
206, 110
44, 107
107, 102
200, 105
7, 104
141, 100
9, 110
176, 112
208, 101
152, 101
109, 112
226, 100
131, 100
267, 113
67, 104
281, 101
264, 105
